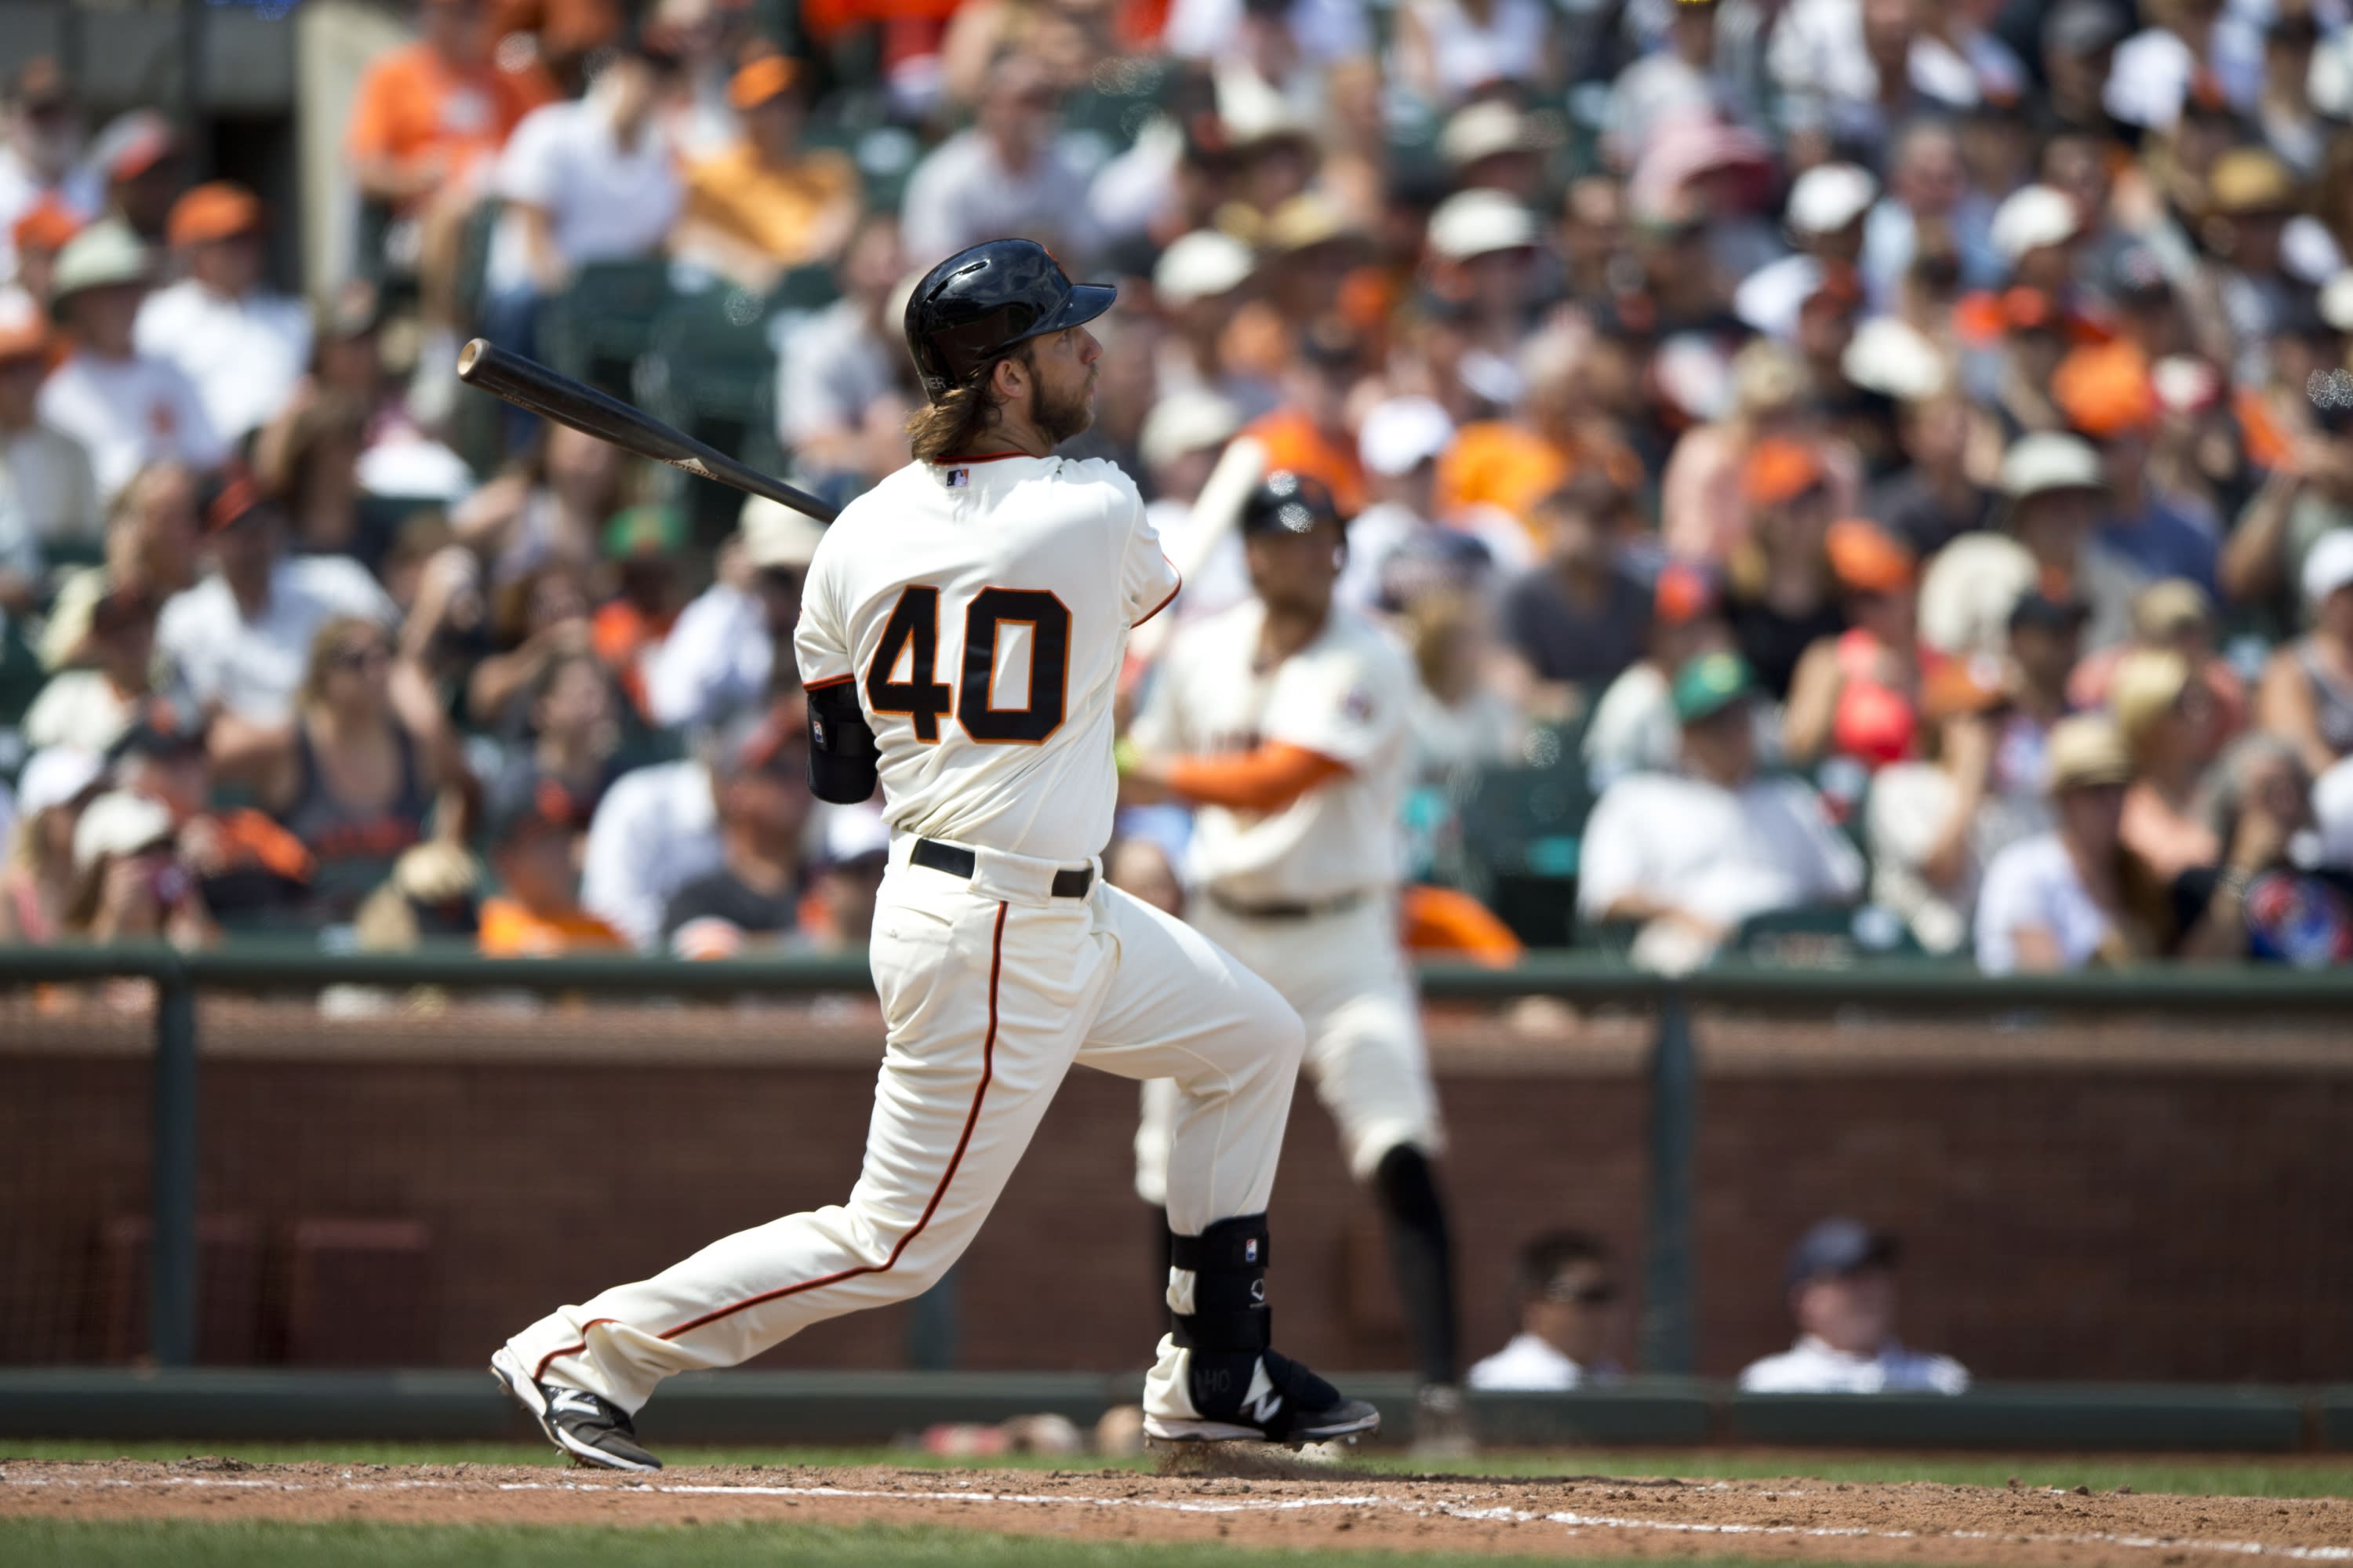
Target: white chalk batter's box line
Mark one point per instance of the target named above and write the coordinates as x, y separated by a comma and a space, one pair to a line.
1572, 1522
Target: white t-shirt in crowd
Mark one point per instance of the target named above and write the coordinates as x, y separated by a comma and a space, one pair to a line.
656, 830
1810, 1366
1724, 854
1529, 1364
1006, 587
244, 355
1346, 695
130, 412
46, 483
604, 202
716, 660
832, 369
253, 668
2033, 883
963, 194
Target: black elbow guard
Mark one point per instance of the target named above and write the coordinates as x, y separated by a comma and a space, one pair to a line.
841, 746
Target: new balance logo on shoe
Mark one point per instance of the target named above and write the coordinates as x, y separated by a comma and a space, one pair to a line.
572, 1402
1262, 1407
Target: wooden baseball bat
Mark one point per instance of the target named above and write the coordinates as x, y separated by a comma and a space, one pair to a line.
527, 384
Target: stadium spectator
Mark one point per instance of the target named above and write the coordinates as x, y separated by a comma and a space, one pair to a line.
355, 772
126, 409
341, 431
251, 873
1446, 50
1703, 499
1935, 496
1841, 1285
837, 916
736, 640
1568, 1300
1575, 622
1926, 822
2054, 487
582, 181
129, 883
642, 549
752, 899
1007, 175
2107, 393
569, 750
844, 386
1780, 595
48, 500
2174, 615
1857, 694
89, 707
40, 147
2162, 715
243, 636
537, 913
2258, 901
151, 550
140, 154
659, 827
242, 346
1461, 717
2306, 693
550, 508
763, 205
44, 231
1688, 858
36, 880
1633, 728
2076, 894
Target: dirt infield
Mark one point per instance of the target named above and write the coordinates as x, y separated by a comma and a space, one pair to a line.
1569, 1516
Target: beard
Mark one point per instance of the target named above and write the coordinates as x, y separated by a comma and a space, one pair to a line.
1059, 415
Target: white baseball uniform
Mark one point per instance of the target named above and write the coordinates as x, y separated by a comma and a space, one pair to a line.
1305, 895
983, 608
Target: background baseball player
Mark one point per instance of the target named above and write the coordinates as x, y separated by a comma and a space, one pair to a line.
961, 635
1284, 721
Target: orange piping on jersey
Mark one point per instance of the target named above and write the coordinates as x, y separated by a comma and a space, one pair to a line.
1164, 603
828, 681
1266, 780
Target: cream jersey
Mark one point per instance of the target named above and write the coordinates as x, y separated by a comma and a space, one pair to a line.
1344, 696
982, 607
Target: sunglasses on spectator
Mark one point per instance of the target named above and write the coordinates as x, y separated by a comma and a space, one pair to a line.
362, 657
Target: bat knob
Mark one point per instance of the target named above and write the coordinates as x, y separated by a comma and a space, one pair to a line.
470, 355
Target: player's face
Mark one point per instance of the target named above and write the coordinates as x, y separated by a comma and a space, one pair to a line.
1295, 571
1852, 1312
1062, 391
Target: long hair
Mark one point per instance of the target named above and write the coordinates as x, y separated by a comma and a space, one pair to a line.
955, 424
323, 644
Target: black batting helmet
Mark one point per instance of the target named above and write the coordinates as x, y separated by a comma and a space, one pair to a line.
975, 307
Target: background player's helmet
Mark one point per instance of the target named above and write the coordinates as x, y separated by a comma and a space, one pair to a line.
975, 307
1288, 502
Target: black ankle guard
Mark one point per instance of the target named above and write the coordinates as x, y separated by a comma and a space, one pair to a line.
1227, 1263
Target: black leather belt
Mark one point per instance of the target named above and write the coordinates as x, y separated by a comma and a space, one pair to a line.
1333, 906
1070, 882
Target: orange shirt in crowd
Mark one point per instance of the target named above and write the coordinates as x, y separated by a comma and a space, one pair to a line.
1440, 922
562, 27
1494, 462
1292, 441
509, 930
414, 107
774, 209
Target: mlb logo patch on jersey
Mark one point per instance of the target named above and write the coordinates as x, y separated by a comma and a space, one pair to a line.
958, 478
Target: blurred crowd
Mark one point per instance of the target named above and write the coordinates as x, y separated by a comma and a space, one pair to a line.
1889, 464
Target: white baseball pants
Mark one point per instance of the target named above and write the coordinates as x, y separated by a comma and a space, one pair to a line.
1354, 986
990, 988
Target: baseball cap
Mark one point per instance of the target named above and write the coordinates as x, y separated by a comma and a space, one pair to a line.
775, 535
1828, 196
2043, 613
221, 210
1185, 422
1837, 1246
2328, 565
2169, 608
1711, 683
2045, 462
1867, 559
48, 224
2105, 389
1893, 358
2031, 218
156, 738
638, 533
1683, 593
760, 81
1488, 127
119, 822
2250, 181
1307, 220
1778, 471
2084, 753
56, 776
1403, 433
544, 806
1287, 502
101, 256
1478, 223
133, 143
1200, 266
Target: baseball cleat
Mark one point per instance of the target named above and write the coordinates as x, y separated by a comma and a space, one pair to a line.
1285, 1403
593, 1430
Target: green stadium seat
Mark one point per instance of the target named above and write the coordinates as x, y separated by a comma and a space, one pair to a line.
597, 330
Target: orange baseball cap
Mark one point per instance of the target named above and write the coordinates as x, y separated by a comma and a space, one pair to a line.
1866, 559
1683, 593
2105, 391
769, 76
220, 210
1779, 469
45, 225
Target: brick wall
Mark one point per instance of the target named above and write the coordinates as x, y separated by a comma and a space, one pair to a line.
2142, 1201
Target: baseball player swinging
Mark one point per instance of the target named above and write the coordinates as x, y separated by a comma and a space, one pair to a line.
1283, 722
961, 634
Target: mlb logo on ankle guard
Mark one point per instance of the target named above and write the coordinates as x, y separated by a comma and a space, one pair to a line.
1249, 1250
